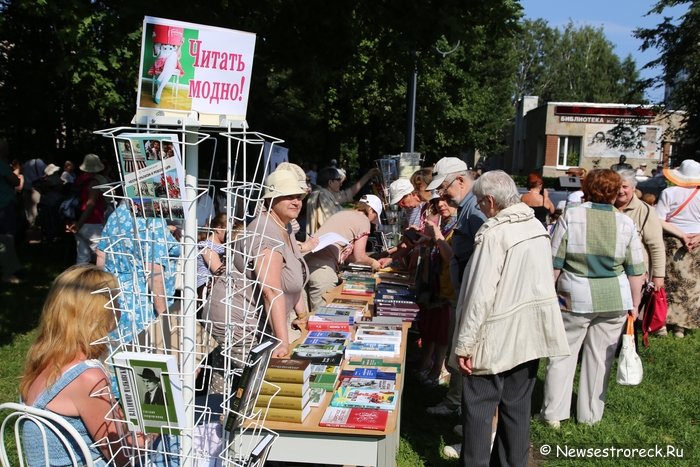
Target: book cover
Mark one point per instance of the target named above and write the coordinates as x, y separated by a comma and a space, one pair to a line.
378, 335
284, 389
247, 386
325, 381
328, 335
349, 301
401, 303
379, 363
324, 341
286, 415
312, 351
287, 370
371, 349
151, 391
369, 373
319, 324
283, 402
359, 419
364, 398
316, 395
327, 310
366, 383
153, 175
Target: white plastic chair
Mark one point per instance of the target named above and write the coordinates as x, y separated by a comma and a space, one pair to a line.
46, 421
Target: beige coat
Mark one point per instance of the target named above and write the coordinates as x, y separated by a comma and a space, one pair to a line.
508, 312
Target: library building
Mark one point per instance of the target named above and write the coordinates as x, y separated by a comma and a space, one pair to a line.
559, 135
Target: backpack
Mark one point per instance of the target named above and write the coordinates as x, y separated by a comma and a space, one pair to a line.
655, 311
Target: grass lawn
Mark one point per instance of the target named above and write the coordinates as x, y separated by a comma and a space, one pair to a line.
663, 411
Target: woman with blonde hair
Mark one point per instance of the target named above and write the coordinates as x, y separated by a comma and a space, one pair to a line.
63, 373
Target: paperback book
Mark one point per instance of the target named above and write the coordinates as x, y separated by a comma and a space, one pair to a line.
358, 419
151, 391
379, 334
371, 349
328, 335
312, 351
316, 395
364, 398
324, 376
318, 323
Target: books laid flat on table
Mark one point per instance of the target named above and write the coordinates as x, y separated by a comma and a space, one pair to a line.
372, 349
359, 286
378, 363
327, 323
314, 351
395, 279
316, 395
287, 370
350, 397
324, 376
151, 391
328, 335
359, 419
378, 333
357, 302
248, 384
384, 382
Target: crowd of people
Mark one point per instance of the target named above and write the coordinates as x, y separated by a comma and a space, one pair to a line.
503, 280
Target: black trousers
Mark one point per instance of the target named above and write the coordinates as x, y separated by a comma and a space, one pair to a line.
511, 393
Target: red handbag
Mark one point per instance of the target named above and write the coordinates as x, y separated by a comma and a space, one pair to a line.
655, 313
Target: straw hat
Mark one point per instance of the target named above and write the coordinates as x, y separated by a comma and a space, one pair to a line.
92, 164
297, 171
282, 183
687, 174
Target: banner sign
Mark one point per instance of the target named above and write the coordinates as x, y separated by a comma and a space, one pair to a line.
191, 67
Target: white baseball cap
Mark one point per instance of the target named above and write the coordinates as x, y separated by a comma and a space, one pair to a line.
444, 167
398, 189
375, 203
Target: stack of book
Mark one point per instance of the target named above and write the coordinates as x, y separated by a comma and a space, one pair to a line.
324, 375
395, 292
322, 347
284, 395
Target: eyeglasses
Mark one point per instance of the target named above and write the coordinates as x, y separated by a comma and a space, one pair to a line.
441, 190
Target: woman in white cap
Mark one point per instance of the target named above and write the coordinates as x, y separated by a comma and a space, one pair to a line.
354, 226
267, 252
679, 211
88, 227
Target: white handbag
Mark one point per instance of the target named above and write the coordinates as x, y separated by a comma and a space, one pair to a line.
629, 365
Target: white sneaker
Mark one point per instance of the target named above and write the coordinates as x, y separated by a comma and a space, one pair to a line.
452, 452
556, 424
442, 409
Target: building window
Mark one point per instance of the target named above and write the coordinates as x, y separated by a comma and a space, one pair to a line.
569, 153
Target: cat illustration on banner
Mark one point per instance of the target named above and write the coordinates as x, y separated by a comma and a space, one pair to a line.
167, 42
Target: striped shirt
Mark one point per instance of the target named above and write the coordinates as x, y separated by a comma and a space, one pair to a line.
596, 247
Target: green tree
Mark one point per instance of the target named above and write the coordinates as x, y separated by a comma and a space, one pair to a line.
677, 41
573, 64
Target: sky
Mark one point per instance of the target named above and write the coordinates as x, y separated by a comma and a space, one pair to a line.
618, 18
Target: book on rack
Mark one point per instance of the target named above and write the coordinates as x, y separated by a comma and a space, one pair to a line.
381, 334
287, 370
364, 398
151, 391
314, 351
354, 418
371, 349
286, 415
324, 376
258, 455
270, 388
319, 323
283, 402
316, 395
248, 384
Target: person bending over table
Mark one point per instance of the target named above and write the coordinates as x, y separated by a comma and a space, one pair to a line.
354, 226
63, 373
